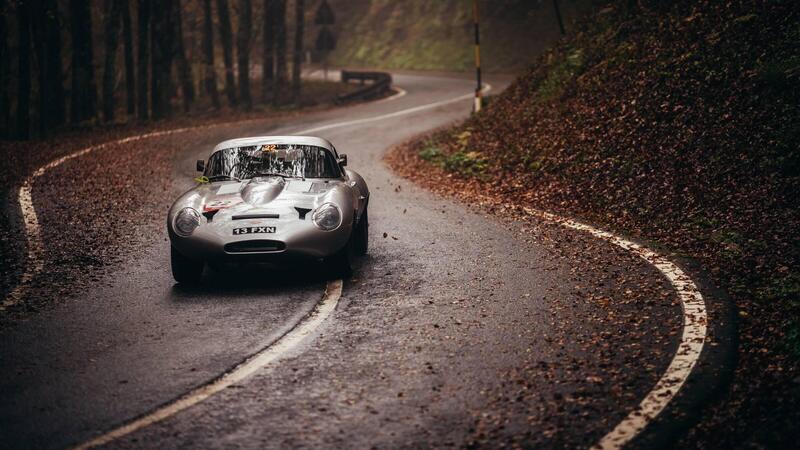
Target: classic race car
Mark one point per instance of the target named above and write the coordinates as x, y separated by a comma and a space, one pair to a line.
273, 199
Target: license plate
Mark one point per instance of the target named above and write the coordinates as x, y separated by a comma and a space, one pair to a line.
253, 230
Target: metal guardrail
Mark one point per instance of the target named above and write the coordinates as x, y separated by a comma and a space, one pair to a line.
380, 83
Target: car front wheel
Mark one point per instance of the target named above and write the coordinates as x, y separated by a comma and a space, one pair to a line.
362, 234
340, 264
185, 270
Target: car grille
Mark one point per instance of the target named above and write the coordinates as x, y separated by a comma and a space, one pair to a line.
255, 246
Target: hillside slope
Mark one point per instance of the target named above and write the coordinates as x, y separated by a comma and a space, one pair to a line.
680, 126
438, 35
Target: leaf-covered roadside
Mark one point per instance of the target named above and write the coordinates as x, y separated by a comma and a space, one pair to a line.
679, 125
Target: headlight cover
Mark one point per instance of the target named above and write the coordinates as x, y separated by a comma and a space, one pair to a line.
186, 221
327, 217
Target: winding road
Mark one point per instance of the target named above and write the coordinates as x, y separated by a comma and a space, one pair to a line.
457, 329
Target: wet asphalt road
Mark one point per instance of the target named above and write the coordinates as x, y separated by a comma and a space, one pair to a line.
457, 328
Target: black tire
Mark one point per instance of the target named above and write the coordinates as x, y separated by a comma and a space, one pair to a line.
185, 270
362, 234
340, 264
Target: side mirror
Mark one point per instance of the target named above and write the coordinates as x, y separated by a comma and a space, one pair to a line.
201, 165
342, 160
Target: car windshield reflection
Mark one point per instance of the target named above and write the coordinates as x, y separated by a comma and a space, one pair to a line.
284, 160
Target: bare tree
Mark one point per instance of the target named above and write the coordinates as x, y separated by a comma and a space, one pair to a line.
280, 50
268, 56
5, 106
24, 68
55, 76
243, 37
184, 72
297, 60
143, 63
51, 86
83, 98
161, 47
226, 36
127, 45
37, 17
111, 37
209, 74
558, 17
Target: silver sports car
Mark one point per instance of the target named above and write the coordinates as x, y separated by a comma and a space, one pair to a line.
273, 199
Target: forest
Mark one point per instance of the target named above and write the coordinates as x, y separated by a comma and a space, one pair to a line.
71, 63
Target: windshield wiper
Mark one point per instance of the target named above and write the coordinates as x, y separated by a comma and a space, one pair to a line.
222, 178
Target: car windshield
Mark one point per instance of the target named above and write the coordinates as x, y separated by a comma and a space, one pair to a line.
287, 160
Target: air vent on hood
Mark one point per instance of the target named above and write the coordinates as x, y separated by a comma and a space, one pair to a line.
302, 212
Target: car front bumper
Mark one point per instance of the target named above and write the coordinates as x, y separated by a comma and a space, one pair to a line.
292, 240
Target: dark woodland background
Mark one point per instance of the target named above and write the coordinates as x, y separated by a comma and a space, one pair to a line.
82, 62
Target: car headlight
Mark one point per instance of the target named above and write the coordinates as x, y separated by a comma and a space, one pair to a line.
327, 217
186, 221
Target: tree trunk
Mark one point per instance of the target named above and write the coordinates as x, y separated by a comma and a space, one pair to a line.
37, 18
143, 63
54, 82
243, 52
24, 67
280, 50
5, 57
209, 73
127, 45
47, 46
184, 71
297, 61
161, 66
268, 57
558, 17
111, 37
83, 97
226, 36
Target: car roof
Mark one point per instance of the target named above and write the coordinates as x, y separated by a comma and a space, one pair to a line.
263, 140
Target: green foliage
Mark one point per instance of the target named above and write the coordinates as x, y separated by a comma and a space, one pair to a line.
470, 164
461, 160
462, 139
560, 74
438, 35
785, 289
745, 18
534, 163
730, 242
432, 154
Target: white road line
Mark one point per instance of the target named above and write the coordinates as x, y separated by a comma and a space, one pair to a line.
487, 87
30, 221
693, 337
255, 363
35, 247
400, 93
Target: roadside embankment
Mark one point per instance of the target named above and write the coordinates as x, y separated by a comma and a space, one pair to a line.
677, 125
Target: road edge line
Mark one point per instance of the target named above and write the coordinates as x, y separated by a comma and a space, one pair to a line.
261, 359
690, 347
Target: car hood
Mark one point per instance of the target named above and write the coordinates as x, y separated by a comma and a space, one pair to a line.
262, 194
